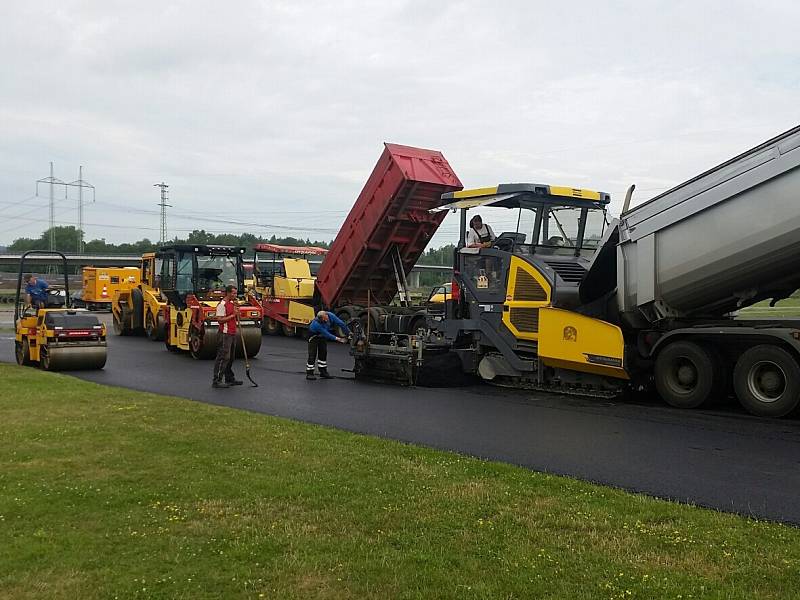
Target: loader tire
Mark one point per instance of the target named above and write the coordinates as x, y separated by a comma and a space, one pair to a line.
684, 374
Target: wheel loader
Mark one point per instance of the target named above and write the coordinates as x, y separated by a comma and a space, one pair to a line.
140, 309
56, 337
193, 282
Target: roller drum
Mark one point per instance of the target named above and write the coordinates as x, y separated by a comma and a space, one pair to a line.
74, 358
252, 341
204, 348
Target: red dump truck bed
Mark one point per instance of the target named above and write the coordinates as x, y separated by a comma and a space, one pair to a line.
392, 210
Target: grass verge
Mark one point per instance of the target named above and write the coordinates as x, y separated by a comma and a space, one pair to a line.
112, 493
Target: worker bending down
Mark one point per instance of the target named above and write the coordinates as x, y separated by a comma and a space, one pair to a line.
320, 331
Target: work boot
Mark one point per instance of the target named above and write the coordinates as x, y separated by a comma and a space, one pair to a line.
323, 372
234, 382
310, 375
220, 384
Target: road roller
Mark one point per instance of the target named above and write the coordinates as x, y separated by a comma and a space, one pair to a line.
193, 281
56, 337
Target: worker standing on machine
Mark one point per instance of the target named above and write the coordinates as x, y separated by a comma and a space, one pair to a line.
320, 331
226, 317
36, 290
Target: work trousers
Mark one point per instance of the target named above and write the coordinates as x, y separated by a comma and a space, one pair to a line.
317, 352
223, 365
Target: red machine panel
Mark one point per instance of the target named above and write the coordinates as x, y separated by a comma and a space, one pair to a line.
391, 211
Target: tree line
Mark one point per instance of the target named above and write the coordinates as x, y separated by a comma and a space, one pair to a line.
66, 238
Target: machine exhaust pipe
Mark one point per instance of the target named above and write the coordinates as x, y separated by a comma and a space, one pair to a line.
628, 195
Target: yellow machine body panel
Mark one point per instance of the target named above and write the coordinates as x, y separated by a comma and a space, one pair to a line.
101, 283
569, 340
298, 282
179, 334
300, 313
527, 293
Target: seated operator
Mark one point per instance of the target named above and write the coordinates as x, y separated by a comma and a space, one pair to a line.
36, 290
479, 234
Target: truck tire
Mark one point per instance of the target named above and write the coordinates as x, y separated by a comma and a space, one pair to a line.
684, 374
288, 330
767, 381
415, 324
346, 315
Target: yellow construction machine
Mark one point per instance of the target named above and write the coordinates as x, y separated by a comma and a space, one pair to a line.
100, 284
284, 282
56, 337
140, 308
193, 282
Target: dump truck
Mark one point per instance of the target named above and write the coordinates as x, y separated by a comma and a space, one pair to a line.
101, 283
56, 337
139, 309
193, 281
382, 238
589, 306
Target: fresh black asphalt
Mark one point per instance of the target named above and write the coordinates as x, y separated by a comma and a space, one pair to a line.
721, 459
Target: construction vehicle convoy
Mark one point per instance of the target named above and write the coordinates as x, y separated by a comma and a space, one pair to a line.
100, 284
139, 308
56, 337
193, 281
590, 307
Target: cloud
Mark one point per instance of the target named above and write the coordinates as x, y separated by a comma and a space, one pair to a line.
276, 111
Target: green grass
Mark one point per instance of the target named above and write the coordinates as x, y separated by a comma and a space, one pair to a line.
789, 307
111, 493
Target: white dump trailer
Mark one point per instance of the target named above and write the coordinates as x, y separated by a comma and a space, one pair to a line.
672, 271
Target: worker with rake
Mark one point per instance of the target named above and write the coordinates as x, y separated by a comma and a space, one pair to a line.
226, 344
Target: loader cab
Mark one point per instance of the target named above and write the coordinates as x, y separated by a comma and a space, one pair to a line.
545, 257
285, 271
151, 270
200, 270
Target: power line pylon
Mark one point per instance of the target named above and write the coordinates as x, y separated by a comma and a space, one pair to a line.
80, 184
163, 204
53, 182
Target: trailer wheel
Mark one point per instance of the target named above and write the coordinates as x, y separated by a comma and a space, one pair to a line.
271, 326
684, 375
767, 381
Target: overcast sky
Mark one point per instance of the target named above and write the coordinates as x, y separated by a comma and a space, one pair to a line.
275, 112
